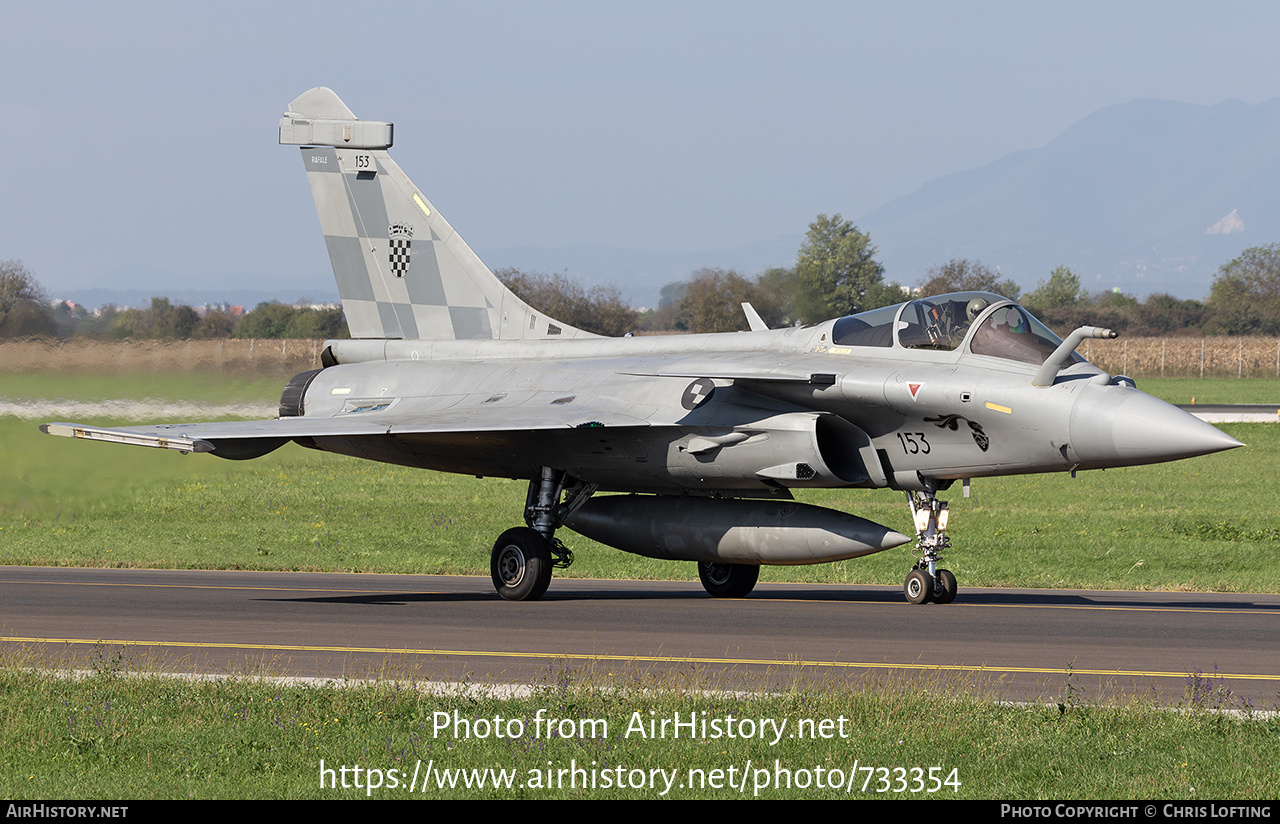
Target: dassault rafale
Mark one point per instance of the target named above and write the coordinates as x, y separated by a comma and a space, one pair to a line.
701, 438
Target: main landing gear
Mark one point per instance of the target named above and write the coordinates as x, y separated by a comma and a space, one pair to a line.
728, 580
926, 582
523, 557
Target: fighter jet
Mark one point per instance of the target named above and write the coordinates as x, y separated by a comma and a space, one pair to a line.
699, 439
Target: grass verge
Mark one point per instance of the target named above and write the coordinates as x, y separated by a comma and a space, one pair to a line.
120, 732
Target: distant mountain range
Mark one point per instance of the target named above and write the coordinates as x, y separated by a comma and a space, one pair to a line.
1147, 196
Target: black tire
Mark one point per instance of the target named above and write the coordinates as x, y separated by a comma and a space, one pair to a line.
918, 587
946, 590
728, 580
521, 565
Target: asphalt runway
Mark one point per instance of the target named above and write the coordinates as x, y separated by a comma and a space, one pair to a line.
1015, 644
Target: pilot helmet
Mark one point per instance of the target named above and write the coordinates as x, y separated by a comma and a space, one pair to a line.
975, 307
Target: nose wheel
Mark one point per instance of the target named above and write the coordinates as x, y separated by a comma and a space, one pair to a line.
927, 582
922, 588
945, 591
918, 587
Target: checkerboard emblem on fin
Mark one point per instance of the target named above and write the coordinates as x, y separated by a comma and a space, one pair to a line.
400, 239
402, 271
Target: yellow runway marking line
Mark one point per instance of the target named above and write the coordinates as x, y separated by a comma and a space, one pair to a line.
646, 659
1096, 607
223, 586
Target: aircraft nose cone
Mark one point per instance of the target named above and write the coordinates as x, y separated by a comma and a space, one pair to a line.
1125, 427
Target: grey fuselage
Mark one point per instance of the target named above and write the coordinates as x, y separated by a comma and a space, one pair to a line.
787, 409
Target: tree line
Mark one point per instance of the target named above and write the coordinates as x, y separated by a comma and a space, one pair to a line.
26, 311
836, 273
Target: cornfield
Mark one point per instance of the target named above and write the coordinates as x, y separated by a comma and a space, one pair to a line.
1182, 357
1172, 357
264, 357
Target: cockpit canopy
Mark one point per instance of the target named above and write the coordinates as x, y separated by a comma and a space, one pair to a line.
994, 326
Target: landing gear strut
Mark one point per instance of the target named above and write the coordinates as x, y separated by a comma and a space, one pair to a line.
926, 582
523, 557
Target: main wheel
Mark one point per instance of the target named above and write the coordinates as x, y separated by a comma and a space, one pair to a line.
946, 591
918, 587
728, 580
521, 565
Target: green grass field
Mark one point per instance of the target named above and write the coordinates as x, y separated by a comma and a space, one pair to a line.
1212, 390
198, 387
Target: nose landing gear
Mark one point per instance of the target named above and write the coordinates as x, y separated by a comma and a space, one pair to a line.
926, 582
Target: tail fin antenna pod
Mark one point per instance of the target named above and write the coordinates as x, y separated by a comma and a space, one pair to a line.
402, 271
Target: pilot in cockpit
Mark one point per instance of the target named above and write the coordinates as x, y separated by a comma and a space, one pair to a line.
1008, 334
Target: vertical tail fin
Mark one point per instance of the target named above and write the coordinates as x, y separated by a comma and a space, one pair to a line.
402, 271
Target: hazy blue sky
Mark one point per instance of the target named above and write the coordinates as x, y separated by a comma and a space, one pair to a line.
141, 138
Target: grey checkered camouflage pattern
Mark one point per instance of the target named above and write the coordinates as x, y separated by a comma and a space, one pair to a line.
402, 271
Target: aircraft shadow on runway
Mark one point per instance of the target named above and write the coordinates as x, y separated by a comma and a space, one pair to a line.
852, 595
